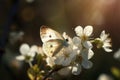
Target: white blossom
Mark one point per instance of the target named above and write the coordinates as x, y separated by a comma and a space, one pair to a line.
104, 42
104, 77
84, 33
27, 53
15, 36
82, 42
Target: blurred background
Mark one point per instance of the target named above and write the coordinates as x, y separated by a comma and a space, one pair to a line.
20, 21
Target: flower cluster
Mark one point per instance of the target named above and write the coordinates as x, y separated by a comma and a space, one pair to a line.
64, 52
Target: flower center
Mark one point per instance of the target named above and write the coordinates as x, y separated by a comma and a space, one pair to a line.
84, 37
27, 58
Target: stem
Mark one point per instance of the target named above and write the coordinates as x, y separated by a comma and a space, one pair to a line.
30, 64
50, 73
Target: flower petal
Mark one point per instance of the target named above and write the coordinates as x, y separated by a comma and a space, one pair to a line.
87, 54
107, 49
20, 58
79, 31
108, 40
88, 30
87, 64
31, 54
76, 69
34, 48
106, 44
105, 77
90, 54
77, 41
87, 44
84, 54
24, 49
103, 36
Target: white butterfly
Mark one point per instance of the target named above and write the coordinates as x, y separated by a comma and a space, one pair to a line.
53, 42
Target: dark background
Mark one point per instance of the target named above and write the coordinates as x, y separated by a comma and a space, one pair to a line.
61, 15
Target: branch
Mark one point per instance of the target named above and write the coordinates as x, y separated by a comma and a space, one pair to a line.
50, 72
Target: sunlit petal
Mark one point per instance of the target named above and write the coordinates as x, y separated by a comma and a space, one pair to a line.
34, 48
88, 30
103, 36
20, 58
76, 69
106, 44
24, 49
79, 31
107, 49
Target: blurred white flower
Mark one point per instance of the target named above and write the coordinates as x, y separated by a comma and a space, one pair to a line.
104, 42
27, 53
30, 1
15, 36
84, 33
117, 55
105, 77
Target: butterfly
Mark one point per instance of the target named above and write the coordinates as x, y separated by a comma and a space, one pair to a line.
53, 42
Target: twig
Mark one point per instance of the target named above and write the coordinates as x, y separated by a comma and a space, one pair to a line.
30, 64
50, 73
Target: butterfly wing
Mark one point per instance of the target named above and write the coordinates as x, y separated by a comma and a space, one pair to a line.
52, 47
47, 34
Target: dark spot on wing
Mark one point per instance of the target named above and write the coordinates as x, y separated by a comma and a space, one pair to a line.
50, 36
51, 51
51, 46
67, 40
